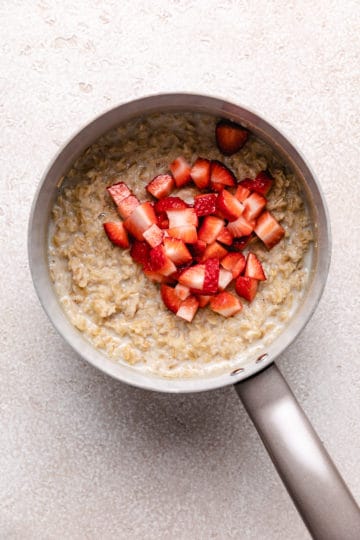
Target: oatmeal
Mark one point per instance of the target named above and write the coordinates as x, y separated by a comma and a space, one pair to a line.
105, 293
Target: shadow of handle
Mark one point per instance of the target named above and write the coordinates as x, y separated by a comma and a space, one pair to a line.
311, 478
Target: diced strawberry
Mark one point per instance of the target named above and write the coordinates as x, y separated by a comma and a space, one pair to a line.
159, 262
154, 276
177, 251
253, 206
240, 227
140, 220
181, 171
246, 287
197, 249
234, 262
187, 233
127, 206
211, 280
226, 304
213, 250
182, 291
254, 268
116, 233
210, 229
118, 192
140, 251
261, 184
203, 299
230, 137
225, 277
200, 173
193, 277
242, 193
161, 186
182, 217
205, 205
220, 176
225, 237
170, 298
239, 244
268, 229
170, 203
188, 308
180, 269
153, 235
162, 220
230, 207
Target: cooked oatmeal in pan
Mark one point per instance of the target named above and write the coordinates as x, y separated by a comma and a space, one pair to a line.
107, 296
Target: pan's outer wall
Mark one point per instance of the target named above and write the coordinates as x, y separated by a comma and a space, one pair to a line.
46, 194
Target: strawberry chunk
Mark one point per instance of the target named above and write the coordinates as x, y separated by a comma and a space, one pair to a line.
268, 229
187, 233
230, 207
188, 308
153, 235
242, 193
162, 220
177, 251
213, 250
182, 217
140, 252
246, 287
239, 244
225, 277
254, 268
211, 280
226, 304
261, 184
170, 203
154, 276
181, 171
253, 206
205, 205
210, 229
230, 137
220, 176
170, 298
127, 206
240, 227
160, 263
161, 186
140, 220
118, 192
197, 249
116, 233
235, 263
225, 237
200, 173
193, 277
203, 299
182, 291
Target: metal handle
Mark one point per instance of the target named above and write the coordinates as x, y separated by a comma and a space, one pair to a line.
312, 480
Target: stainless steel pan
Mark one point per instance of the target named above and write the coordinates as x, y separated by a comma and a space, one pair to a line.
318, 491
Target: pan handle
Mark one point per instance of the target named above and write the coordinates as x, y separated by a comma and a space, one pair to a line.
312, 480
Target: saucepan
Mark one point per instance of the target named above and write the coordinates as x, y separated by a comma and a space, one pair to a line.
312, 480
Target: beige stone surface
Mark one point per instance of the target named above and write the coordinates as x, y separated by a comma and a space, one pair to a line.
81, 455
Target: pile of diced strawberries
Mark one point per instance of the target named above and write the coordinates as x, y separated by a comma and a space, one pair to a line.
195, 251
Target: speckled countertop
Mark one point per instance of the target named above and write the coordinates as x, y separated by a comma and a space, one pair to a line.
83, 456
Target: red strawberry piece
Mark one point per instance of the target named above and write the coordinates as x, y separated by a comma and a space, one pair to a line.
239, 244
181, 171
116, 233
162, 220
188, 308
210, 228
240, 227
220, 176
182, 291
154, 235
203, 299
140, 252
268, 229
127, 206
159, 262
140, 220
193, 277
261, 184
225, 237
230, 207
246, 287
154, 276
161, 186
177, 251
230, 137
235, 263
118, 192
170, 298
182, 217
253, 206
214, 250
225, 277
226, 304
170, 203
212, 269
187, 233
205, 205
200, 173
254, 268
242, 193
180, 269
197, 249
